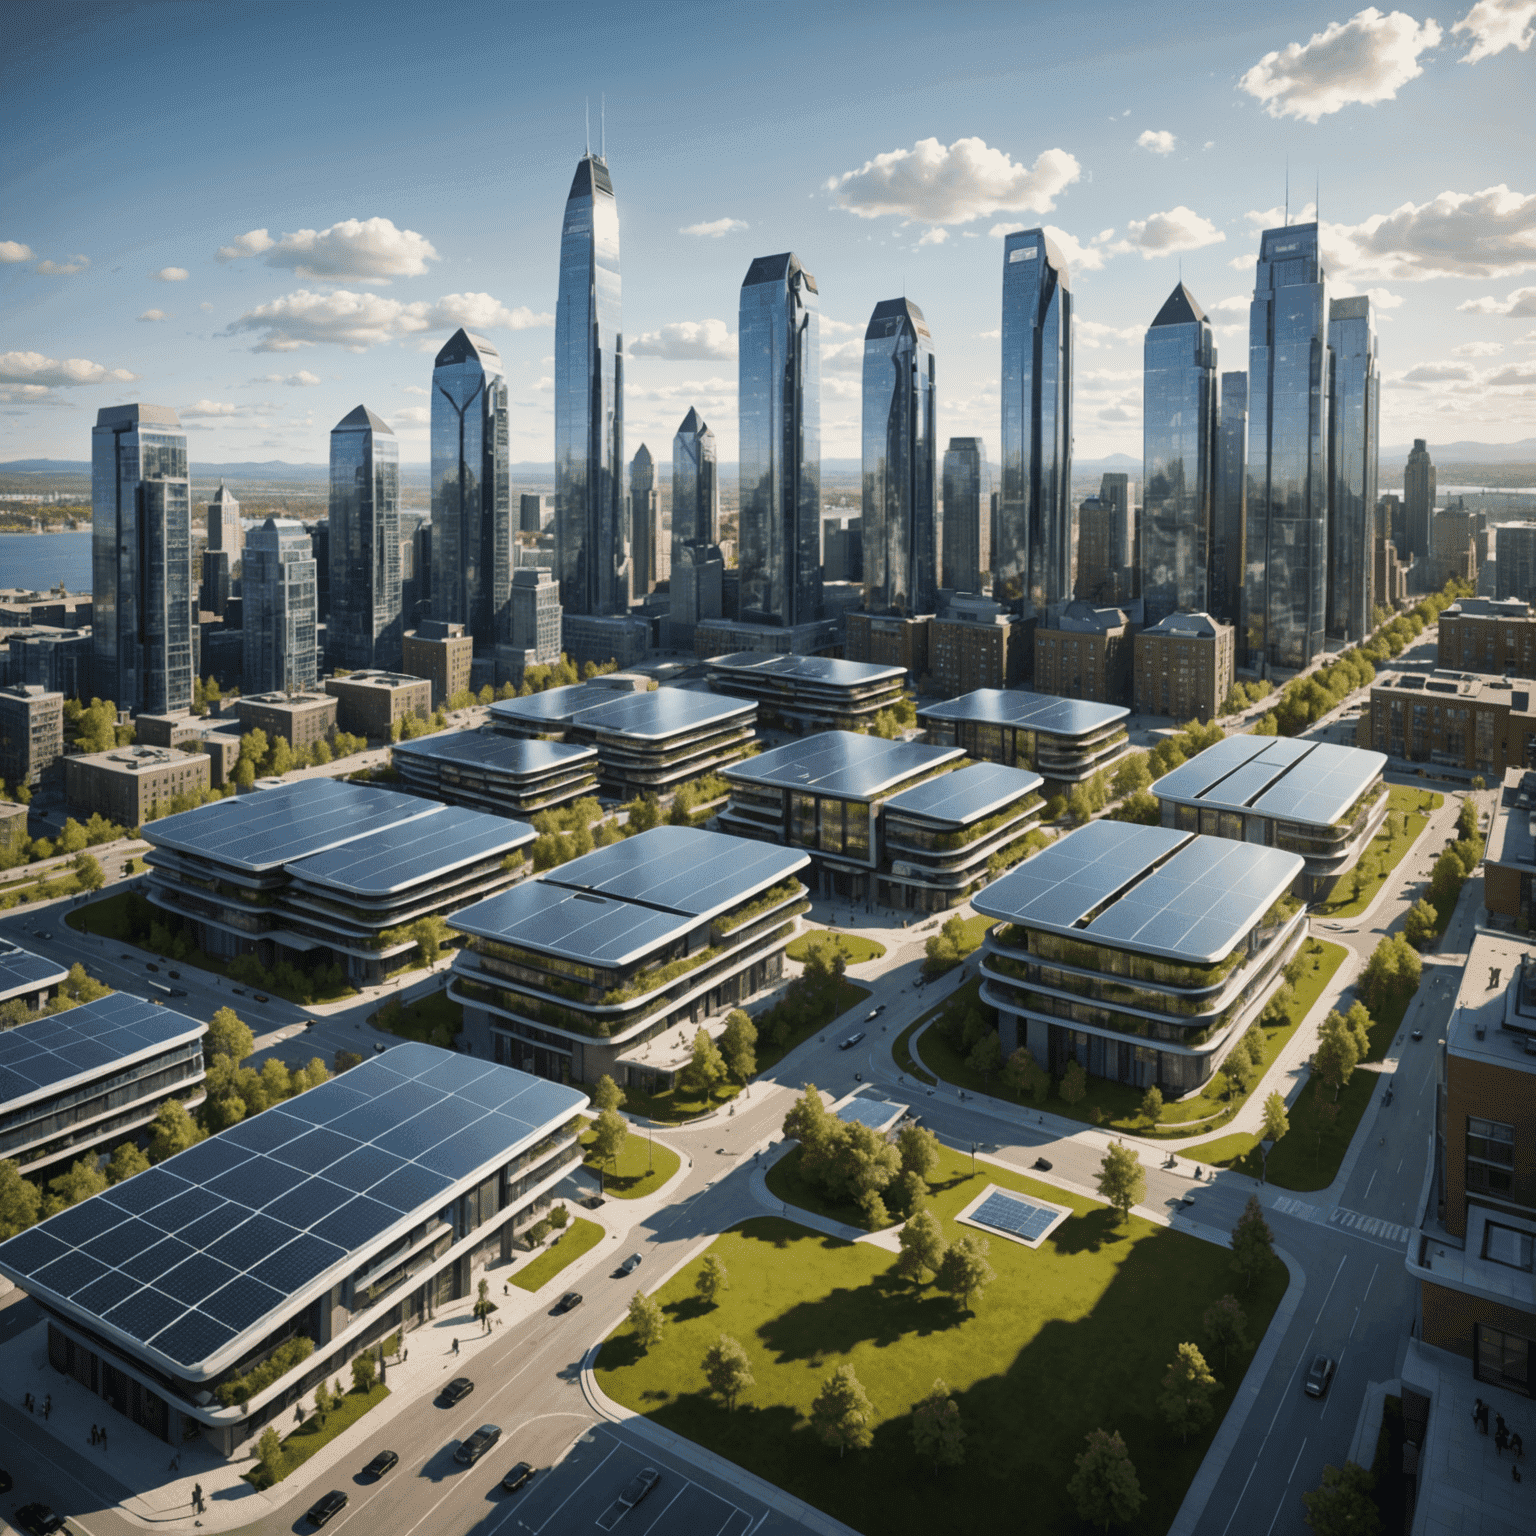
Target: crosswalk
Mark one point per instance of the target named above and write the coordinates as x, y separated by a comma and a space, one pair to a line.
1376, 1227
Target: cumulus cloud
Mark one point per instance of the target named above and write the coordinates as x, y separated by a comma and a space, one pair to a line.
935, 236
153, 314
1384, 298
208, 408
1237, 304
1520, 305
938, 185
1158, 140
300, 380
32, 368
1513, 373
715, 227
370, 251
14, 250
1478, 349
358, 321
64, 268
411, 416
1179, 229
1092, 333
1439, 373
170, 275
686, 340
1363, 60
1494, 25
831, 327
1491, 233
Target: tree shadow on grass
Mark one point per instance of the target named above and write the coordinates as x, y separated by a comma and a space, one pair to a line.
618, 1353
687, 1308
882, 1313
1090, 1232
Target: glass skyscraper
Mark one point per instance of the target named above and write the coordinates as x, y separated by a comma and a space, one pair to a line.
365, 623
1032, 553
1352, 453
967, 543
1286, 580
471, 493
1178, 458
278, 607
900, 462
591, 518
1229, 520
644, 521
780, 449
144, 633
1418, 502
695, 484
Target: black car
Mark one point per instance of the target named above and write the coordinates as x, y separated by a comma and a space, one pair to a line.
630, 1265
569, 1302
458, 1389
471, 1450
1319, 1374
174, 975
852, 1040
323, 1508
149, 965
638, 1486
1418, 1034
1043, 1164
261, 997
239, 990
517, 1476
385, 1461
39, 1520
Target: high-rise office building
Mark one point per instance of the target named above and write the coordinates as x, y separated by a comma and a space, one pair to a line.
1418, 501
900, 462
530, 513
1106, 545
1178, 458
1515, 561
591, 518
365, 626
144, 627
1229, 517
224, 530
695, 484
1032, 552
1352, 453
471, 494
644, 522
535, 615
1289, 376
779, 400
278, 607
967, 543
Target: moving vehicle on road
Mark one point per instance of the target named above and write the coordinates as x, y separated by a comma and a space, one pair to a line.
518, 1475
1320, 1374
458, 1389
638, 1486
261, 997
323, 1508
568, 1303
1418, 1034
852, 1040
1043, 1164
630, 1265
875, 1012
39, 1520
385, 1461
471, 1450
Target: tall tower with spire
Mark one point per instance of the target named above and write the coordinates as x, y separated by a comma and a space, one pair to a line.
644, 522
364, 543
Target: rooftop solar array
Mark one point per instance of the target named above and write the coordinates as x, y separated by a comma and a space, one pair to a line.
1028, 711
1163, 892
966, 795
47, 1054
198, 1257
827, 670
1303, 781
553, 704
841, 763
21, 970
491, 749
660, 712
877, 1114
1025, 1221
591, 930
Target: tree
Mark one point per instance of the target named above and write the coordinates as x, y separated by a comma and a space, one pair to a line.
705, 1068
842, 1414
323, 1401
964, 1272
1132, 776
986, 1055
807, 1121
1104, 1485
1122, 1182
82, 986
364, 1369
1343, 1505
1252, 1242
1276, 1121
1074, 1083
606, 1094
918, 1148
269, 1453
1152, 1104
483, 1304
711, 1279
647, 1319
1226, 1324
1337, 1054
172, 1131
937, 1433
1420, 924
922, 1247
1358, 1022
727, 1370
907, 1194
609, 1133
1188, 1388
126, 1160
228, 1035
429, 934
1253, 1041
1019, 1071
20, 1200
87, 870
738, 1045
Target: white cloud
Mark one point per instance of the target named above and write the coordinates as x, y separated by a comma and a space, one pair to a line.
1520, 305
209, 408
206, 307
1179, 229
686, 340
1513, 373
153, 314
14, 250
715, 227
1091, 333
1478, 349
22, 394
990, 335
1158, 140
842, 357
1237, 304
368, 251
831, 327
935, 236
170, 275
1491, 233
357, 321
1384, 298
35, 369
1495, 25
938, 185
410, 389
1364, 60
1439, 373
64, 268
300, 380
1244, 263
411, 416
477, 312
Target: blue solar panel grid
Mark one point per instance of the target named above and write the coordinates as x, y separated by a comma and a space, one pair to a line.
1028, 711
811, 669
1014, 1215
21, 970
841, 763
663, 712
578, 925
877, 1114
967, 794
514, 755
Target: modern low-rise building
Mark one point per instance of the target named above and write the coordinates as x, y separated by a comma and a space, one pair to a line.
1139, 952
442, 653
1496, 636
83, 1081
301, 719
55, 660
371, 704
1322, 801
31, 733
28, 978
1183, 667
130, 785
977, 643
1064, 740
316, 1228
1509, 858
578, 972
488, 771
1484, 725
622, 639
1083, 652
808, 693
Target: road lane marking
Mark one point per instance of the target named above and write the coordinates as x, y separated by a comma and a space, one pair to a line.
574, 1491
1296, 1463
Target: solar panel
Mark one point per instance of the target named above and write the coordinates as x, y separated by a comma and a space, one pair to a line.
21, 970
515, 756
827, 670
542, 915
877, 1114
1012, 1213
1288, 779
656, 713
967, 794
1027, 711
841, 763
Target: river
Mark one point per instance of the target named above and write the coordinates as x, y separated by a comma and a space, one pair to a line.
39, 561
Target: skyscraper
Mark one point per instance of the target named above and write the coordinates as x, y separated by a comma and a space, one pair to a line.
967, 539
1418, 501
224, 530
1032, 553
780, 443
1286, 575
1106, 574
644, 521
144, 633
365, 626
1352, 452
591, 519
1229, 520
278, 619
695, 484
471, 493
1178, 458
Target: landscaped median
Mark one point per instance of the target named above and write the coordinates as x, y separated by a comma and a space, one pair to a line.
315, 1433
578, 1238
1408, 813
641, 1168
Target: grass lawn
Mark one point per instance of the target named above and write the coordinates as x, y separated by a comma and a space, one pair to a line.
973, 931
784, 1182
434, 1019
901, 1050
640, 1169
311, 1435
857, 948
850, 995
1384, 852
578, 1238
1069, 1338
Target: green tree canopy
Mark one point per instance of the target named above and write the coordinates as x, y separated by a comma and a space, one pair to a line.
738, 1045
921, 1247
705, 1068
647, 1319
964, 1272
228, 1035
727, 1370
609, 1133
842, 1414
1186, 1402
1276, 1121
937, 1433
1252, 1242
606, 1094
711, 1279
1226, 1325
20, 1200
1122, 1182
1343, 1505
1104, 1485
918, 1149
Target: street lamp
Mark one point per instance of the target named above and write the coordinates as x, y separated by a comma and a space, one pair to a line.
973, 1157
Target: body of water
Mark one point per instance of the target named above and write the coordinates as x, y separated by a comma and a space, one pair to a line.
42, 560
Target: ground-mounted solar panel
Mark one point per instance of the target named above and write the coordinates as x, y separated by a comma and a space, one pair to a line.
1022, 1219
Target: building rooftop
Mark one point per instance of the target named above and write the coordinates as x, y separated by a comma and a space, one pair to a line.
654, 715
1461, 685
1082, 618
137, 759
1279, 776
1028, 711
967, 794
841, 763
1494, 1018
21, 970
1512, 836
825, 670
1152, 889
252, 1224
377, 679
1489, 607
485, 748
1199, 625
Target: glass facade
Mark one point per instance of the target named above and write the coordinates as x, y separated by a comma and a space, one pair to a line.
278, 622
1355, 401
1178, 458
695, 484
900, 536
644, 521
1229, 521
471, 492
967, 542
779, 400
365, 624
591, 516
1032, 551
1286, 576
144, 633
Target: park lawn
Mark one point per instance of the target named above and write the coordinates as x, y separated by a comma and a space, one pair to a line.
855, 946
1383, 853
580, 1237
312, 1435
641, 1168
435, 1019
973, 930
1071, 1337
785, 1183
901, 1050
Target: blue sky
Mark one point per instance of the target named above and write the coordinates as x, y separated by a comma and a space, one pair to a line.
267, 213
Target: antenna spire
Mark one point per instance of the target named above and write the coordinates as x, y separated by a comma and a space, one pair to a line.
589, 125
1287, 191
602, 125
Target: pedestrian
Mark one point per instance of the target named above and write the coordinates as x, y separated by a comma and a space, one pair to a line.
456, 1350
1517, 1445
1477, 1415
27, 1402
1500, 1427
48, 1407
93, 1434
1500, 1438
197, 1497
103, 1437
1514, 1473
1482, 1416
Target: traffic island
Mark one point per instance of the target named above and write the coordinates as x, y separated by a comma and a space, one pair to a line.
580, 1237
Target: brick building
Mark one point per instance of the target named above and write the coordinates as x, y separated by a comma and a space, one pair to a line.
1083, 652
1509, 860
1456, 719
442, 653
129, 785
888, 640
1184, 667
977, 643
369, 703
300, 718
1485, 634
31, 733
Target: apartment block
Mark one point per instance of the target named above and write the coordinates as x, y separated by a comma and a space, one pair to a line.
1184, 667
442, 653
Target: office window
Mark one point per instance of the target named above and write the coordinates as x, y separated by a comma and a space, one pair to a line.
1490, 1155
1503, 1358
1508, 1245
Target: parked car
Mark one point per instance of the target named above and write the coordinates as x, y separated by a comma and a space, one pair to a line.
517, 1476
39, 1520
149, 965
174, 975
458, 1389
385, 1461
239, 990
569, 1302
261, 997
1319, 1374
1418, 1034
638, 1486
323, 1508
471, 1450
630, 1265
1043, 1164
852, 1040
